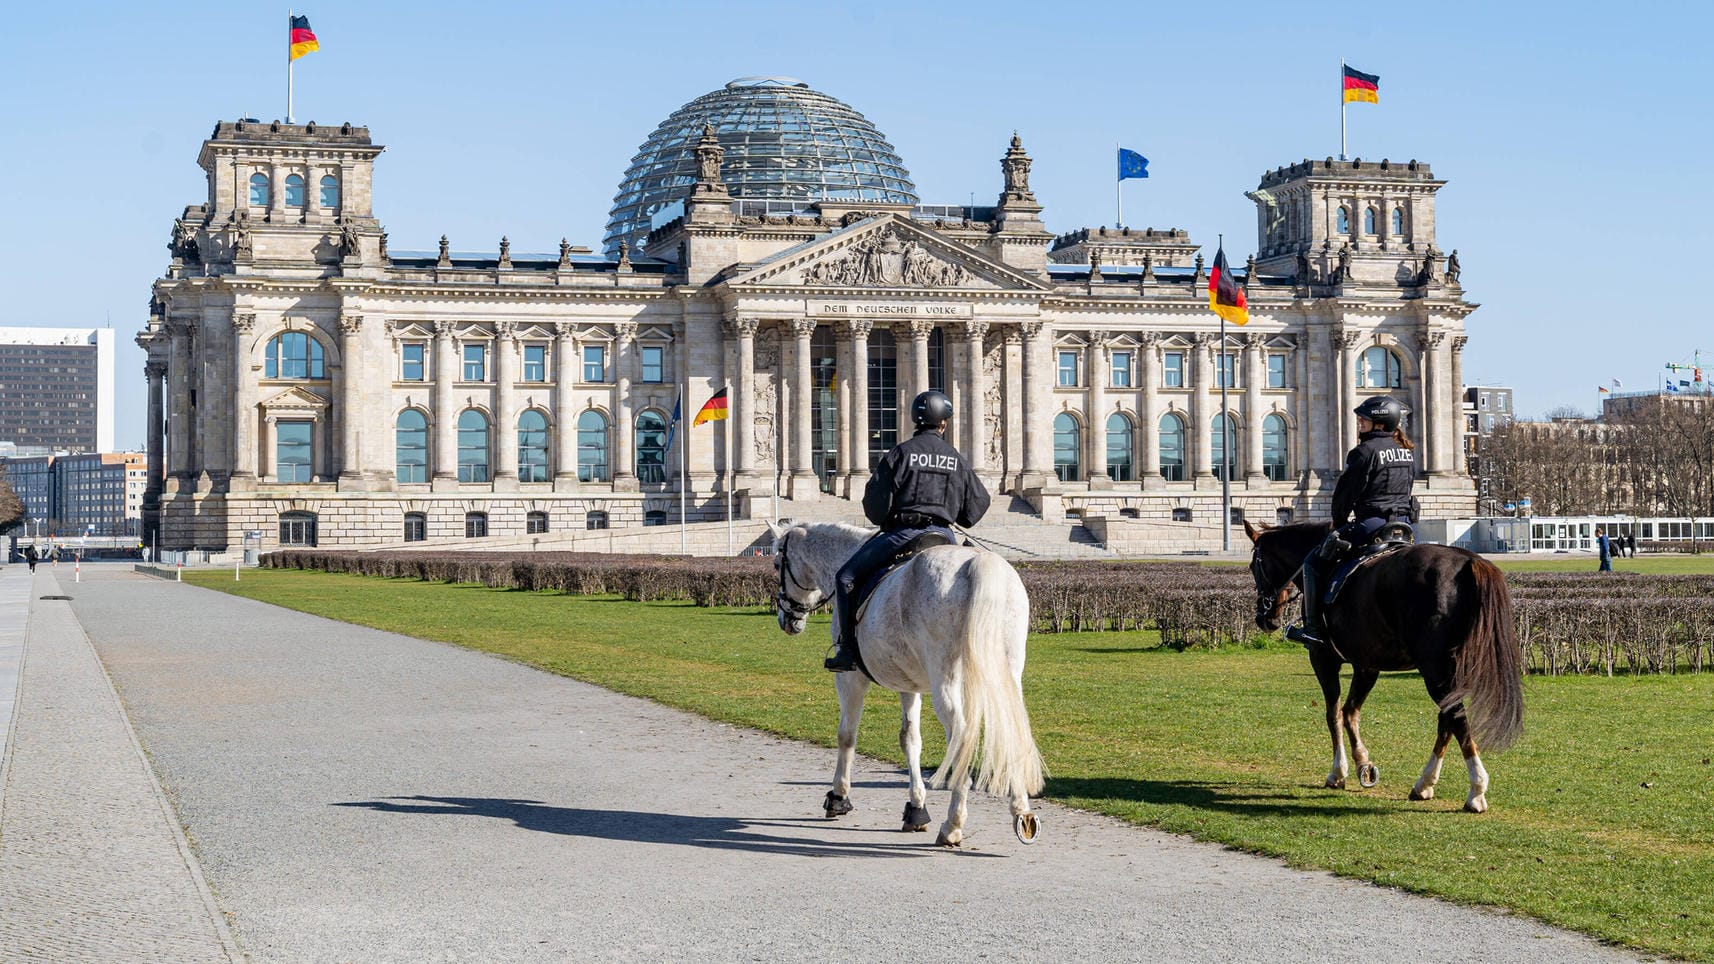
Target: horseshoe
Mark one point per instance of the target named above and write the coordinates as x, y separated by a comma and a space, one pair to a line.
836, 805
1024, 825
1368, 775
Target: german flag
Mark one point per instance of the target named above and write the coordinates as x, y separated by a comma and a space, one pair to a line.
1225, 297
303, 38
1362, 87
712, 411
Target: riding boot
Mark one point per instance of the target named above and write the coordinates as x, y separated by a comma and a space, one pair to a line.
844, 658
1312, 631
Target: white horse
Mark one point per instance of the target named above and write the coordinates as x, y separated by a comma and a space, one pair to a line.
951, 622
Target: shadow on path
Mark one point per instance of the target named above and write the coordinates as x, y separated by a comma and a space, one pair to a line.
720, 833
1244, 799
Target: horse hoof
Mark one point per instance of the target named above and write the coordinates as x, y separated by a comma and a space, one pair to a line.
1335, 783
1024, 825
836, 805
1368, 775
1423, 794
942, 841
916, 818
1476, 805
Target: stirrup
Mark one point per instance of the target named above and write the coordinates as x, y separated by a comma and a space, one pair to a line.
1299, 633
841, 662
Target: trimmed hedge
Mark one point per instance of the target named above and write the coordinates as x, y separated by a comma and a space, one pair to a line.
1566, 622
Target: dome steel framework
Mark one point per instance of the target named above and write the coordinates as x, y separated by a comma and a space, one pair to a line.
783, 141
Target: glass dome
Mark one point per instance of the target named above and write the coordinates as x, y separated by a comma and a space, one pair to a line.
783, 141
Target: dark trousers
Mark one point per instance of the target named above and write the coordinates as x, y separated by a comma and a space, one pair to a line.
1321, 561
875, 554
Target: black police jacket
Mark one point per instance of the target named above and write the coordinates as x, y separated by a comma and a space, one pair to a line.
924, 478
1376, 482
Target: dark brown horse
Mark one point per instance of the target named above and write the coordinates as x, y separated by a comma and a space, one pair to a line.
1442, 611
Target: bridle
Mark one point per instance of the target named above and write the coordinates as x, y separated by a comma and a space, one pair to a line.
1268, 597
784, 600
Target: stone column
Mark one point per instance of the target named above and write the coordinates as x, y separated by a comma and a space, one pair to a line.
1038, 464
920, 333
1011, 406
859, 381
1452, 427
1095, 440
743, 400
1345, 397
243, 401
276, 194
975, 417
350, 396
178, 400
1255, 373
624, 418
156, 374
804, 485
1200, 449
443, 449
505, 404
564, 414
1149, 414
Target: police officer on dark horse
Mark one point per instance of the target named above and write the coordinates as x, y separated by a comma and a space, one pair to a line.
1438, 609
920, 485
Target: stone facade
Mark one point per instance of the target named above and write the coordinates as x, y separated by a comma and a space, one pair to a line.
307, 383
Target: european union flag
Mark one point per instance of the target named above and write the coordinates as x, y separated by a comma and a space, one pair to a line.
1132, 164
672, 426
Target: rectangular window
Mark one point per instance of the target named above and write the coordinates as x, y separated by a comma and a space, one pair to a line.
535, 363
1172, 369
411, 367
1226, 370
292, 460
1276, 371
1121, 369
1067, 369
1482, 400
594, 363
653, 363
475, 363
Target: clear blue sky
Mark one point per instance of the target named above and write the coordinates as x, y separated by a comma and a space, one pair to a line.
1575, 136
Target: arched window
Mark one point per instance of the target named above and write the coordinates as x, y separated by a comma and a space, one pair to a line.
592, 447
329, 191
1369, 221
416, 527
297, 528
535, 523
596, 519
532, 446
1223, 433
472, 446
475, 525
1274, 448
651, 447
1344, 225
294, 191
1378, 368
259, 190
410, 445
1067, 447
1172, 448
1399, 222
294, 354
1119, 447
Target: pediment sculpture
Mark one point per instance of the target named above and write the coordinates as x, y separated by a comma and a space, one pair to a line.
887, 260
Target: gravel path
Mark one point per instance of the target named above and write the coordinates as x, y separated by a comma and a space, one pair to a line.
360, 796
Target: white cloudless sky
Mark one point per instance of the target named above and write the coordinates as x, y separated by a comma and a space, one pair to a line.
1575, 137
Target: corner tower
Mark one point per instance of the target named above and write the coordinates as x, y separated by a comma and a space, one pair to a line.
1348, 222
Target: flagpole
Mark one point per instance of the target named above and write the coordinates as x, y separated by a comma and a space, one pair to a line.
731, 470
683, 480
1225, 436
288, 66
1118, 184
1342, 109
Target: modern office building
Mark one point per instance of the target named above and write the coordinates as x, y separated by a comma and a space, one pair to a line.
308, 381
1486, 408
93, 493
56, 388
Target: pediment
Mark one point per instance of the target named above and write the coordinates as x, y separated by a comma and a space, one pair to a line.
535, 332
411, 329
295, 400
885, 252
655, 333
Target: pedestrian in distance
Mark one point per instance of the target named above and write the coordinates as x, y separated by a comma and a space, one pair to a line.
31, 557
1605, 546
1631, 544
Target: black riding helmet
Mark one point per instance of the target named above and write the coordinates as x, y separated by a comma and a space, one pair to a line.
931, 409
1384, 410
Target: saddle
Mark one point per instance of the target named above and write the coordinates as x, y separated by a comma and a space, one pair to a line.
1388, 539
927, 540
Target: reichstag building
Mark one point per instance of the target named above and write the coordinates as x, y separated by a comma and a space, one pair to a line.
306, 382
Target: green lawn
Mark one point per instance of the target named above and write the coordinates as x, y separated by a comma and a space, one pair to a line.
1600, 818
1648, 565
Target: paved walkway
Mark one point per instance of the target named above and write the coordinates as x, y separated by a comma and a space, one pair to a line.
361, 796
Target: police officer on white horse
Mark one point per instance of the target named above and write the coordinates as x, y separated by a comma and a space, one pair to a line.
922, 484
1374, 489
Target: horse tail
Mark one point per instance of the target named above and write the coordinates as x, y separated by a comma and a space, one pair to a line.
1489, 672
994, 716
